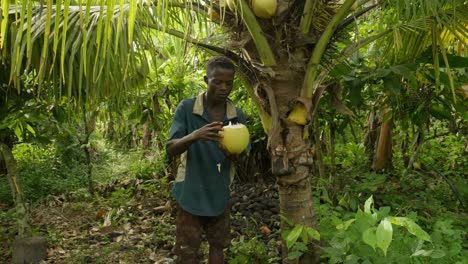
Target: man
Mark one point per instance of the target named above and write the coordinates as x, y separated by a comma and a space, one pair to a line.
201, 187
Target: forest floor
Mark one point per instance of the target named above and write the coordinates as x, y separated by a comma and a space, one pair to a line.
133, 222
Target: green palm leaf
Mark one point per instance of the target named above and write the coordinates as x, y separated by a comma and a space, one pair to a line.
86, 34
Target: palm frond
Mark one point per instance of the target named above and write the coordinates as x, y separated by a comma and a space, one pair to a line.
93, 60
416, 33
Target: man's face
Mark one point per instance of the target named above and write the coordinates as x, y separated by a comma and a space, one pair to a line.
219, 83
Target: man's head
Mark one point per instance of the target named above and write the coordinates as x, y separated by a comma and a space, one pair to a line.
219, 62
219, 78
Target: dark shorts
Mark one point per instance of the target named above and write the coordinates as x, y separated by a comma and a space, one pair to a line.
189, 230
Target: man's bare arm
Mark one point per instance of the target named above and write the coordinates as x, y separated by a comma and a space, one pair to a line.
208, 132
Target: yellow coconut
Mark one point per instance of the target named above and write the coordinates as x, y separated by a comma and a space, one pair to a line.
235, 138
264, 8
298, 115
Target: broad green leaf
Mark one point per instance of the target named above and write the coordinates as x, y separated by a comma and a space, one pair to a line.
340, 70
345, 225
384, 235
411, 226
364, 220
18, 132
453, 60
405, 70
437, 253
392, 84
381, 73
383, 212
355, 91
368, 204
313, 233
30, 129
294, 235
369, 237
422, 253
285, 234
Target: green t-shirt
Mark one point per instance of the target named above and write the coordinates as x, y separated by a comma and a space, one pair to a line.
204, 174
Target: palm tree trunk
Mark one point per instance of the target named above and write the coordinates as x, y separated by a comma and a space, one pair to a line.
22, 213
295, 191
291, 159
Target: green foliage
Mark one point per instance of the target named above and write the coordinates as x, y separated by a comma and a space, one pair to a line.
445, 154
121, 197
449, 240
111, 163
44, 171
373, 236
164, 234
244, 251
298, 239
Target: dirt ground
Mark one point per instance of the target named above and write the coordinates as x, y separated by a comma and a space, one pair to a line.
128, 222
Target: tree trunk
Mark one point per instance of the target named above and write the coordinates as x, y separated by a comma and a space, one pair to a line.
110, 130
291, 159
3, 169
384, 151
371, 136
295, 190
22, 213
146, 135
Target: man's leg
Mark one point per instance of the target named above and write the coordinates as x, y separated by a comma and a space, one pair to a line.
188, 237
217, 231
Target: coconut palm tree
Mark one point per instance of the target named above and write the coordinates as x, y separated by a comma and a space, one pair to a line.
284, 50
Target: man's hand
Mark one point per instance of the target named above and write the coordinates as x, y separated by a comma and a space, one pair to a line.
208, 132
